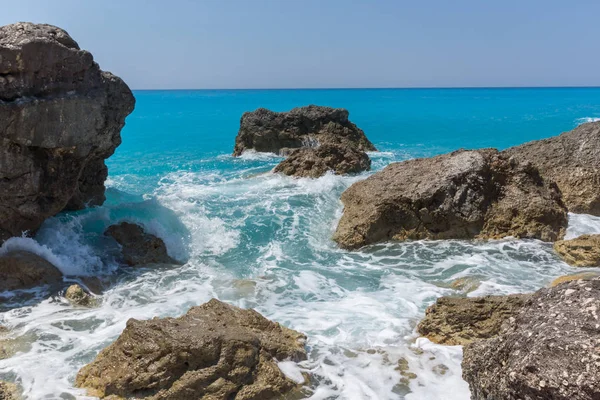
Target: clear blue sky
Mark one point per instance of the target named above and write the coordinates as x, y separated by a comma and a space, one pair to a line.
331, 43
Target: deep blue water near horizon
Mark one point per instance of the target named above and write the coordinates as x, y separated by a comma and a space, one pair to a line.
256, 239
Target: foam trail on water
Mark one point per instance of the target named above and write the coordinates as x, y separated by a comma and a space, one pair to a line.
585, 120
582, 224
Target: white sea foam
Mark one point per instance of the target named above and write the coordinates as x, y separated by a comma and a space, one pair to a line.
582, 224
585, 120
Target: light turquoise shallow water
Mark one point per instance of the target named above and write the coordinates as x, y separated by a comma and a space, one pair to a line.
260, 240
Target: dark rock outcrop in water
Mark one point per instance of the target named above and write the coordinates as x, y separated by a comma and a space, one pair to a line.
572, 160
548, 351
583, 251
215, 351
279, 132
60, 118
459, 320
139, 247
461, 195
22, 270
314, 162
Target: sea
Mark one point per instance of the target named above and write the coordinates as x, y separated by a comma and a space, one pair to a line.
260, 240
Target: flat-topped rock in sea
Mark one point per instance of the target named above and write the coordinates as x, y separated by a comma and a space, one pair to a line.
215, 351
460, 195
583, 251
280, 132
313, 162
550, 350
572, 160
138, 246
461, 320
23, 270
60, 118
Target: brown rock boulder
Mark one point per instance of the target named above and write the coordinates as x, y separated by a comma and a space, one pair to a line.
8, 391
583, 251
79, 297
313, 162
22, 270
460, 195
572, 160
60, 118
215, 351
549, 351
139, 247
460, 320
279, 132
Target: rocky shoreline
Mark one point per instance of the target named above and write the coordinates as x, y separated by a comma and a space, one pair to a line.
61, 117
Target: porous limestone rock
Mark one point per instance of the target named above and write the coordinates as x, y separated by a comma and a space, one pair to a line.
139, 247
22, 270
583, 251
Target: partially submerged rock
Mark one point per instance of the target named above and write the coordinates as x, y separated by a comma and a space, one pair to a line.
23, 270
77, 296
313, 162
572, 160
215, 351
574, 277
279, 132
549, 351
583, 251
460, 320
460, 195
139, 247
60, 118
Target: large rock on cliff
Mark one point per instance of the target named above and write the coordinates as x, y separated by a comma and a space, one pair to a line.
549, 351
215, 351
313, 162
460, 195
460, 320
22, 270
60, 118
583, 251
279, 132
572, 160
139, 247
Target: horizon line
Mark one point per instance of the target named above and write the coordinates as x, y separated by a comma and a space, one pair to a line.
378, 88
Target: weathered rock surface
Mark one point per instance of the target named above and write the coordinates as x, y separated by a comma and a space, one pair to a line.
313, 162
139, 247
460, 320
8, 391
583, 251
549, 351
215, 351
77, 296
572, 160
460, 195
279, 132
23, 270
60, 118
574, 277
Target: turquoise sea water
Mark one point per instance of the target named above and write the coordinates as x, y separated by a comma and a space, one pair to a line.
256, 239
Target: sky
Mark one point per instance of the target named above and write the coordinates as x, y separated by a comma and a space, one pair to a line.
212, 44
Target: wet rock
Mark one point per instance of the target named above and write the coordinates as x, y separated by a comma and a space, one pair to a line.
215, 351
60, 118
583, 251
549, 351
22, 270
313, 162
572, 160
8, 391
279, 132
139, 247
459, 320
79, 297
575, 277
460, 195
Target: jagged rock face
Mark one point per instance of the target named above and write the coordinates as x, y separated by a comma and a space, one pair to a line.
60, 118
460, 195
549, 351
215, 351
583, 251
139, 247
279, 132
23, 270
572, 160
460, 320
8, 391
313, 162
